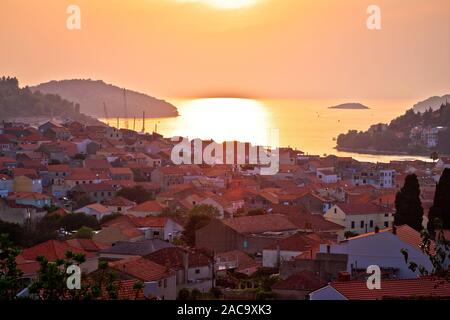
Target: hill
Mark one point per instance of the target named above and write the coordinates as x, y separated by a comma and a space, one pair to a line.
412, 133
92, 94
351, 106
21, 104
434, 103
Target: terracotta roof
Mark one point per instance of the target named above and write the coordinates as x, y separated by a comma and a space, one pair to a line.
304, 280
174, 258
86, 244
148, 206
119, 202
425, 287
297, 242
58, 168
362, 208
118, 170
142, 269
51, 250
260, 224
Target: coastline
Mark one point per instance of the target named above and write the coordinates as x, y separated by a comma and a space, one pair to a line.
382, 152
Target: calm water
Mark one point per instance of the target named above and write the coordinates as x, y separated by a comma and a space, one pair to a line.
308, 125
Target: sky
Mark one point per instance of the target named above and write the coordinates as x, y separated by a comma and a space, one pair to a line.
283, 49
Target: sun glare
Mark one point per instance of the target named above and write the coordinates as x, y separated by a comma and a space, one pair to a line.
225, 4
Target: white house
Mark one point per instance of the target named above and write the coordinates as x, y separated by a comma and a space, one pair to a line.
96, 209
327, 176
288, 249
360, 218
384, 249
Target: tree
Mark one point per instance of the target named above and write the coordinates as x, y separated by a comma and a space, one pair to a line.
75, 221
408, 207
440, 211
10, 274
137, 194
84, 233
436, 250
198, 217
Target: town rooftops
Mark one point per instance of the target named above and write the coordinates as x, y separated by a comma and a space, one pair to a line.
260, 224
119, 202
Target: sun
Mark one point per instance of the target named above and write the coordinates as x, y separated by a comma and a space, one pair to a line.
225, 4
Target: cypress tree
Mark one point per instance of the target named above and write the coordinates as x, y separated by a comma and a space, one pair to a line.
440, 211
408, 207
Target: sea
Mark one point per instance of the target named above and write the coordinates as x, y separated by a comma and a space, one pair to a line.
306, 125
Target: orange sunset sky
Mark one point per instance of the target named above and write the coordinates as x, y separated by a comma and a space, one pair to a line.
263, 48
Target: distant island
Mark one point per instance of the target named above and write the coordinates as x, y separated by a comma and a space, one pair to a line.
414, 133
350, 106
92, 95
23, 105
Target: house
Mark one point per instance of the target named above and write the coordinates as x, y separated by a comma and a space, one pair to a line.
167, 176
27, 183
125, 249
6, 185
378, 176
121, 174
193, 269
163, 228
327, 176
250, 233
289, 248
359, 217
235, 261
95, 192
53, 250
57, 173
12, 212
96, 209
34, 199
382, 248
424, 288
119, 205
298, 286
8, 163
148, 271
147, 208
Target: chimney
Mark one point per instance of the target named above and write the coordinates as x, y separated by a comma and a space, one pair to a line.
394, 229
377, 230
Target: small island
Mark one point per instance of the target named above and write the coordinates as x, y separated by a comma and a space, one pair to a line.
352, 106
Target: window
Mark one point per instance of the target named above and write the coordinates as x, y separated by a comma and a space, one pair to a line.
335, 210
119, 208
386, 214
371, 223
165, 283
386, 224
353, 224
197, 271
362, 224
